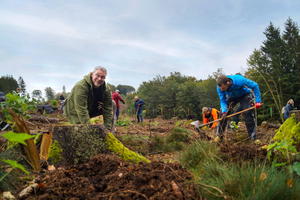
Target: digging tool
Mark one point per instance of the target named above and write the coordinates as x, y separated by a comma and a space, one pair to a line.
228, 116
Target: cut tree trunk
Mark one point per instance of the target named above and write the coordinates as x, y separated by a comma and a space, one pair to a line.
297, 114
79, 142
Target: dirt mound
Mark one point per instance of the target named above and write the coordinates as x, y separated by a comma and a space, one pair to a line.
242, 152
108, 177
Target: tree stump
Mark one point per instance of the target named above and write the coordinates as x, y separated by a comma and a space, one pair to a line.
297, 114
79, 142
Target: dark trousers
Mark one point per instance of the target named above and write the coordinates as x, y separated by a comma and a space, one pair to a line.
245, 102
139, 115
117, 113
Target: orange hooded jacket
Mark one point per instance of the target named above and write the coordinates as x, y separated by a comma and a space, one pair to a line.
214, 114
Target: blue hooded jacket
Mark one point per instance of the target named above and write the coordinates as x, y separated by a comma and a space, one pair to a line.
240, 87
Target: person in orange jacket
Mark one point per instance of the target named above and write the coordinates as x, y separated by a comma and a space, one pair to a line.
210, 114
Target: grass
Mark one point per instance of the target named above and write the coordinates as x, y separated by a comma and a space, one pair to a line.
218, 179
175, 140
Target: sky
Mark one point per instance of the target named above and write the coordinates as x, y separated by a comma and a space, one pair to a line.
54, 43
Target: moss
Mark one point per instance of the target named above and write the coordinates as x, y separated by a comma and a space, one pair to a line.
114, 145
138, 143
55, 154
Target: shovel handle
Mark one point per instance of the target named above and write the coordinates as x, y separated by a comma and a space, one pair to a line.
231, 115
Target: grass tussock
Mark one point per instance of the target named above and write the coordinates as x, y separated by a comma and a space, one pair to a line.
175, 140
222, 180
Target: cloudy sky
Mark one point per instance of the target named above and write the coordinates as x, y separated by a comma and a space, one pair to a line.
55, 43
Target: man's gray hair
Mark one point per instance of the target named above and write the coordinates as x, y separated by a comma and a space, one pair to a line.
101, 69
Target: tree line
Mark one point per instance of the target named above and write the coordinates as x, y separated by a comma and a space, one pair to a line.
275, 66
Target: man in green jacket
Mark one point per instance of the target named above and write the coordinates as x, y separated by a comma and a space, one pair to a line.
89, 98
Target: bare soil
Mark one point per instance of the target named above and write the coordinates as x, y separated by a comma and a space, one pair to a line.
108, 177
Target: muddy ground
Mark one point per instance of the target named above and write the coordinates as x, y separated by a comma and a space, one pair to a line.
108, 177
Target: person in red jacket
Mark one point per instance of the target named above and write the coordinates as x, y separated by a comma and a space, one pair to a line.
116, 97
210, 114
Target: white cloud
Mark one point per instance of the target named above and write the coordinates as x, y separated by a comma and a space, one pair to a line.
41, 25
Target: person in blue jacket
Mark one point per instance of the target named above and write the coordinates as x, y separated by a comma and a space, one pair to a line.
234, 89
287, 109
138, 105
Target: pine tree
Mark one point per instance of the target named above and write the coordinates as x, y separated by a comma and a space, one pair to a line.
8, 84
22, 86
291, 61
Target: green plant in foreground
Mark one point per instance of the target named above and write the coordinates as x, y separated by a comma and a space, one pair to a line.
283, 150
55, 153
15, 109
14, 138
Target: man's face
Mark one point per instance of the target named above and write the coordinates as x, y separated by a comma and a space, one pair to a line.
98, 77
224, 87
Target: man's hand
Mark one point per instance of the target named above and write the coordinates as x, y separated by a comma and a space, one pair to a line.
258, 105
223, 115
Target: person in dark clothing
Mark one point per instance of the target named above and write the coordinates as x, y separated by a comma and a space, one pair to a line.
287, 109
236, 89
61, 103
138, 105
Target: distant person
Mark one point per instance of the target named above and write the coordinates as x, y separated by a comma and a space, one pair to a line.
89, 98
138, 105
117, 98
209, 115
236, 89
2, 97
61, 102
287, 109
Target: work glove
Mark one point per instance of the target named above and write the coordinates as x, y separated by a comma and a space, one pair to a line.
258, 105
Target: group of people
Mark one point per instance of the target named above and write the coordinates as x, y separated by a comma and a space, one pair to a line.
92, 97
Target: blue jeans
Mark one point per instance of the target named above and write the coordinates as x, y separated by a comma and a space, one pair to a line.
139, 115
117, 113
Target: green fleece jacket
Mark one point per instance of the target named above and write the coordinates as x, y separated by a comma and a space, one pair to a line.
78, 106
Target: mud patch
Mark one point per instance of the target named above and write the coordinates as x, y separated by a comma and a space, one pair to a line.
108, 177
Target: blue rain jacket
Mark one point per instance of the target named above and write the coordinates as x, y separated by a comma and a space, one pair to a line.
240, 87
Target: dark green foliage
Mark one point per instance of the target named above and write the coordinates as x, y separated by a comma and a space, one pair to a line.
276, 67
177, 95
8, 84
